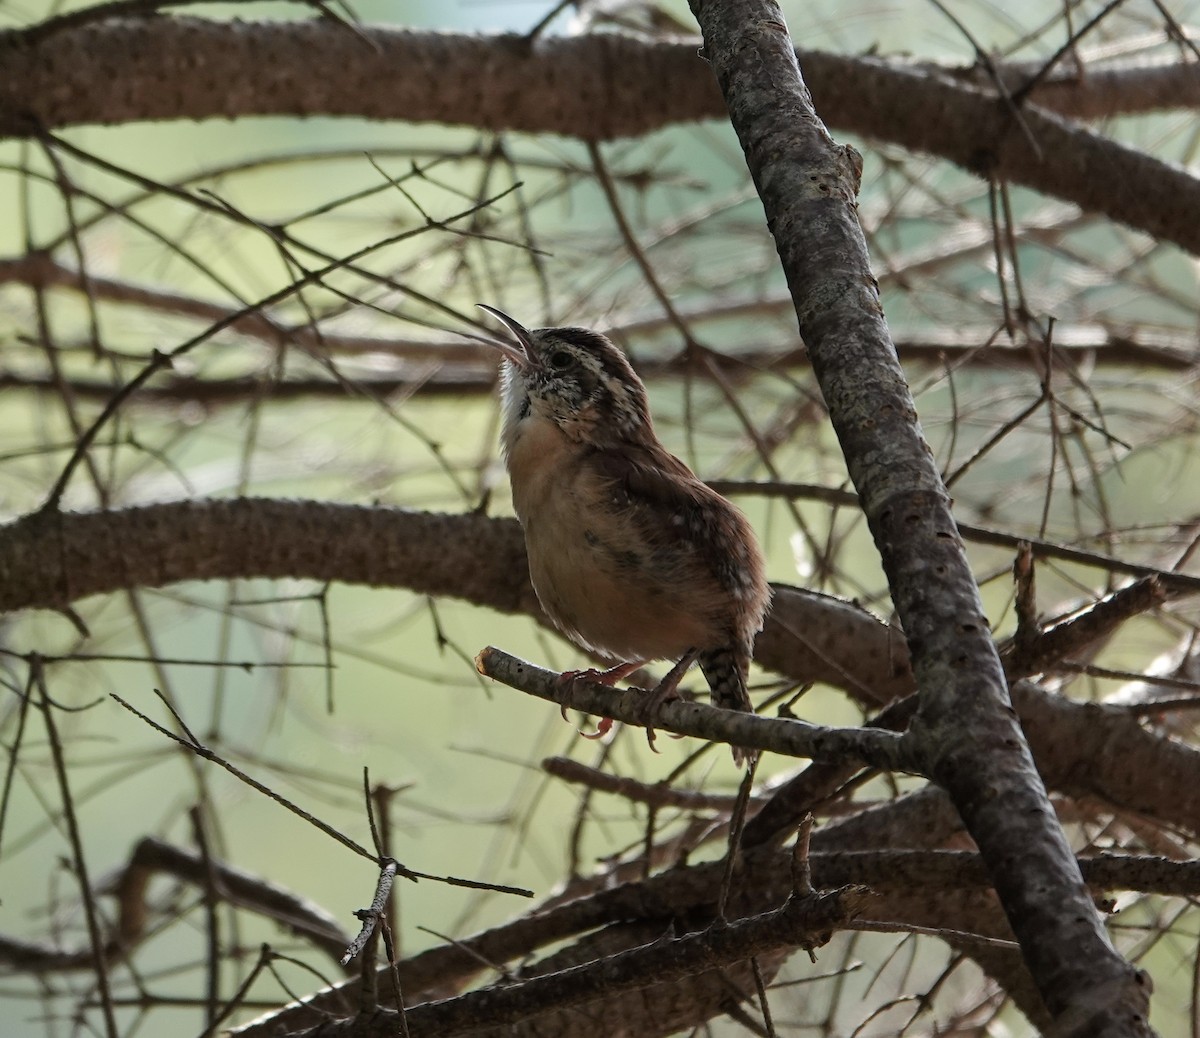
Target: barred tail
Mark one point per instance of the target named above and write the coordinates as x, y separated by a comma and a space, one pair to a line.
726, 669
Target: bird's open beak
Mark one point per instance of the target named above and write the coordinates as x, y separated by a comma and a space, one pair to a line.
523, 356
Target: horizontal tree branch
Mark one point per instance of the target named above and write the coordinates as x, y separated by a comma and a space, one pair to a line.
619, 86
801, 921
454, 364
1174, 582
452, 375
53, 560
498, 82
928, 888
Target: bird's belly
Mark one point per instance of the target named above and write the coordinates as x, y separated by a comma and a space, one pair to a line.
604, 595
596, 579
614, 614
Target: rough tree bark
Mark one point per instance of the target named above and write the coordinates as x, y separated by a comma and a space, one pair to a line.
965, 730
191, 68
965, 734
52, 560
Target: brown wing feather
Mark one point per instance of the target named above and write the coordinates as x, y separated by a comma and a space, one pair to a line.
694, 534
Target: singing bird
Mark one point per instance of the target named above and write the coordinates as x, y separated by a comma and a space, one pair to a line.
631, 555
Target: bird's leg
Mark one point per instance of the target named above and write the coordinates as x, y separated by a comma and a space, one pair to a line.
610, 676
666, 690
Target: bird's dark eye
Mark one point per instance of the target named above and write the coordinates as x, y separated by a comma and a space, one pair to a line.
560, 360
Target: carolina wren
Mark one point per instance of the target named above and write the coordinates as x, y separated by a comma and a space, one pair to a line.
630, 554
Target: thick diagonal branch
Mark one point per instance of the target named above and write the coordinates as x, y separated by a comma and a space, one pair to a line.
972, 743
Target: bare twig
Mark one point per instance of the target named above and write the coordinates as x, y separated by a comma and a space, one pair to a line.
371, 917
203, 751
98, 947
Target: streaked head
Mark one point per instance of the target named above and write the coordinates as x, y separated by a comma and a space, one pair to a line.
574, 377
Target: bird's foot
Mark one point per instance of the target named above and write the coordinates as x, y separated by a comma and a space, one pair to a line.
611, 676
665, 691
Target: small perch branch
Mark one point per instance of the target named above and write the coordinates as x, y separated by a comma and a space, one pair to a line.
1042, 650
370, 916
791, 738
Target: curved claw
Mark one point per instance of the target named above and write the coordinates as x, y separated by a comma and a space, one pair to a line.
652, 712
650, 736
603, 727
605, 677
664, 692
565, 680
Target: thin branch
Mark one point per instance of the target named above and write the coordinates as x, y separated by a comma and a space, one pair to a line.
655, 793
201, 750
372, 916
1046, 648
97, 946
779, 735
